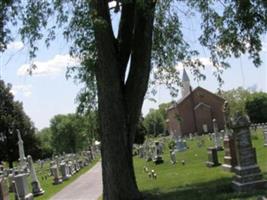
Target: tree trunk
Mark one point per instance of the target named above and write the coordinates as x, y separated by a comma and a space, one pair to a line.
120, 102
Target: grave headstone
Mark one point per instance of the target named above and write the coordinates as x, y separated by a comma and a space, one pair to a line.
157, 154
4, 195
22, 189
180, 145
247, 172
36, 187
64, 171
216, 136
173, 157
22, 158
212, 157
57, 178
229, 153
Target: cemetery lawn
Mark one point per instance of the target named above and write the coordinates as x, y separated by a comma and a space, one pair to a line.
194, 180
48, 186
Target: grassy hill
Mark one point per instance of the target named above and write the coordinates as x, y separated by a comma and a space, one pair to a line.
194, 180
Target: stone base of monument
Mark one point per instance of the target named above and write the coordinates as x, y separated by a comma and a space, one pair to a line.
250, 186
36, 189
57, 181
229, 154
228, 164
248, 178
66, 177
158, 160
27, 197
227, 167
212, 157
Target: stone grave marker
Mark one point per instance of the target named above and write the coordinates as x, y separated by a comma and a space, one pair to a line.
212, 157
216, 136
157, 154
173, 156
55, 172
36, 187
21, 186
248, 175
180, 145
22, 158
229, 153
4, 193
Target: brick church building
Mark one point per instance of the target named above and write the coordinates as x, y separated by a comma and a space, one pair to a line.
194, 112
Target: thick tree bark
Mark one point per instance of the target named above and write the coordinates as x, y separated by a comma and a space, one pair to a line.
120, 103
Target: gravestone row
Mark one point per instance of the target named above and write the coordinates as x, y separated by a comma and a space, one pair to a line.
240, 156
61, 168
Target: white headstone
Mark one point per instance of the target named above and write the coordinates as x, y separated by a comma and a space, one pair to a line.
22, 158
36, 187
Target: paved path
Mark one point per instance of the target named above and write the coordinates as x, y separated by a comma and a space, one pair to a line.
87, 187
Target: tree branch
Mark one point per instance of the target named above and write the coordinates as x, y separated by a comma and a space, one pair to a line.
125, 35
140, 67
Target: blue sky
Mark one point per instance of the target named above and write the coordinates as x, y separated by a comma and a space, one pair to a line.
47, 92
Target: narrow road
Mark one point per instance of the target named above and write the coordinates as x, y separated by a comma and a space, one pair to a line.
87, 187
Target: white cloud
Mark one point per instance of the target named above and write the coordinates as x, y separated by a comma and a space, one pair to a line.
16, 45
50, 67
25, 90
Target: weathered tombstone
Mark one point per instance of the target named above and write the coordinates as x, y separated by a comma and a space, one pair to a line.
229, 153
180, 145
212, 157
55, 173
216, 136
64, 171
141, 151
157, 154
4, 195
247, 173
205, 128
36, 187
173, 157
22, 158
22, 189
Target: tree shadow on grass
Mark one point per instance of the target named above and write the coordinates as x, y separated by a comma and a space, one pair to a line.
219, 189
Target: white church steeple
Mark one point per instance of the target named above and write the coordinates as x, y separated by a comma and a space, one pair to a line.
185, 84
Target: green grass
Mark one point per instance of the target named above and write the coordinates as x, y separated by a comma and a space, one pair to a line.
195, 180
48, 186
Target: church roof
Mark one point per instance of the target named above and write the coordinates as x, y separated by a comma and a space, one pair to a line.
187, 95
185, 77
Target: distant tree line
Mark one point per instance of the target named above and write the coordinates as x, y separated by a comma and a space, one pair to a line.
69, 133
247, 101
